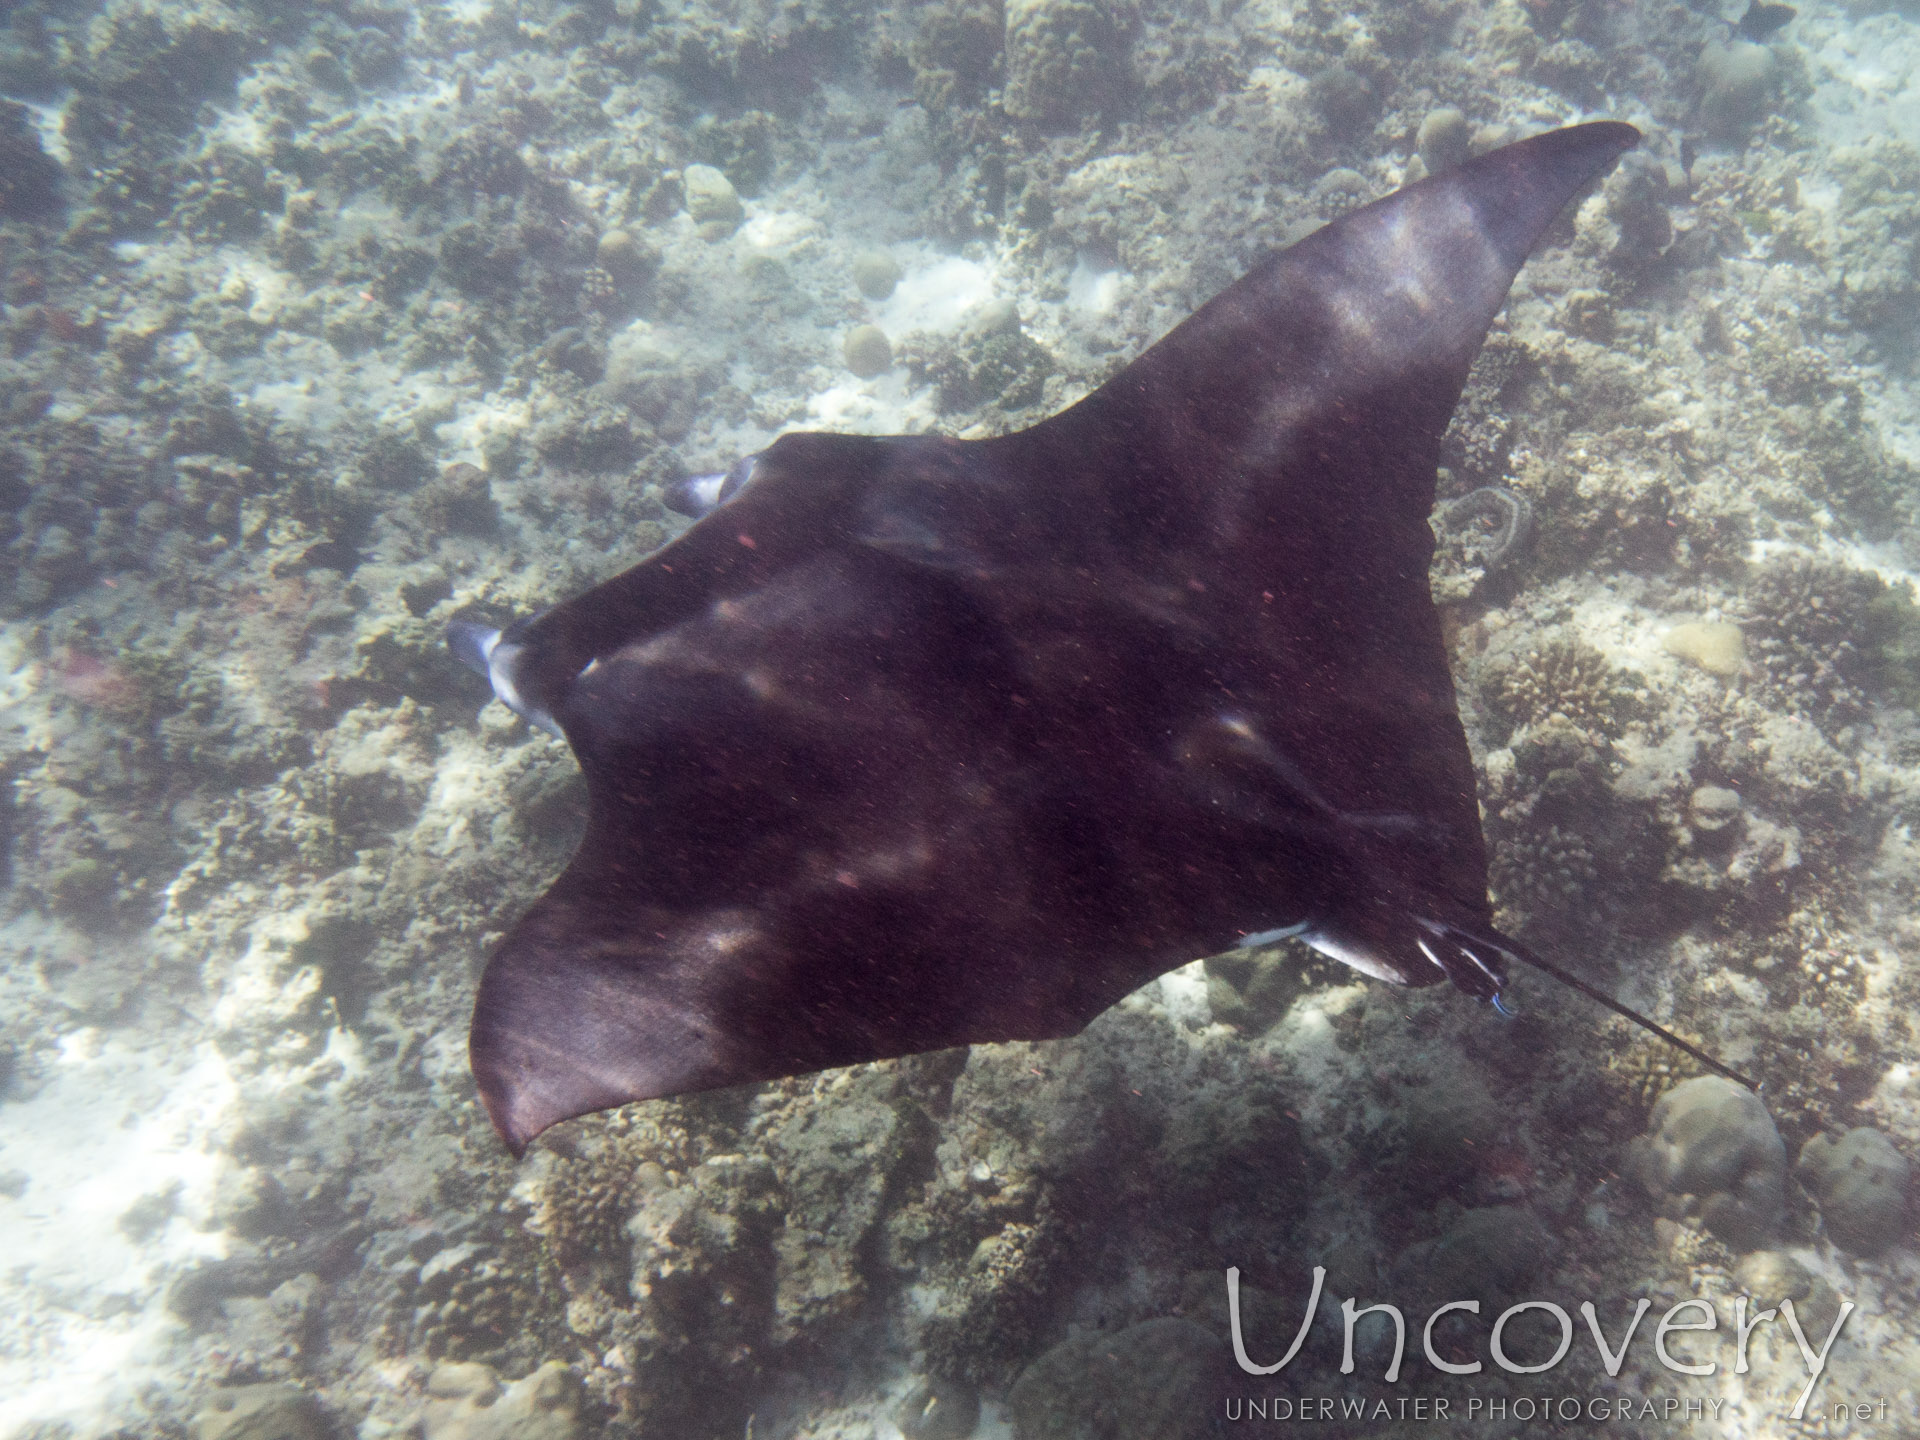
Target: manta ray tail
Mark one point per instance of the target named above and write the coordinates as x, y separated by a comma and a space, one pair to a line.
1517, 951
1472, 959
1406, 944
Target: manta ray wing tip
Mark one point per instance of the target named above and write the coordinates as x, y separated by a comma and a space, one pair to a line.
563, 1027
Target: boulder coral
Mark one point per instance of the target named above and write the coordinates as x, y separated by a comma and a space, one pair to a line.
1711, 1152
1860, 1182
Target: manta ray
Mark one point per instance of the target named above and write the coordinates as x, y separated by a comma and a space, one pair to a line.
914, 742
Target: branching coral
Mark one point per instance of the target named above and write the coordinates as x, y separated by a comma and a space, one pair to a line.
1808, 627
1565, 676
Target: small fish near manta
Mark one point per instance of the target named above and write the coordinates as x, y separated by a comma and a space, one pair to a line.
914, 742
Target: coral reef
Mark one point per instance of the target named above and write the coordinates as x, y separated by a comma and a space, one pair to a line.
1711, 1151
1161, 1379
1770, 1276
29, 178
1559, 677
867, 351
993, 365
1492, 1253
1065, 61
876, 273
938, 1410
468, 1402
1736, 80
1251, 989
1860, 1183
711, 200
1809, 625
1715, 646
271, 1411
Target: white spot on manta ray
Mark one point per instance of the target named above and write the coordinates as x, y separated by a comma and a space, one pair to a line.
730, 940
1273, 937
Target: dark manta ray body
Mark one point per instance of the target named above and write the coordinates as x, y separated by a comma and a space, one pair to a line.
915, 742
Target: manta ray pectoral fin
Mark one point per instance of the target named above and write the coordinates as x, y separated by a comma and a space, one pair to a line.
1227, 760
1236, 767
561, 1028
471, 644
1396, 824
907, 537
